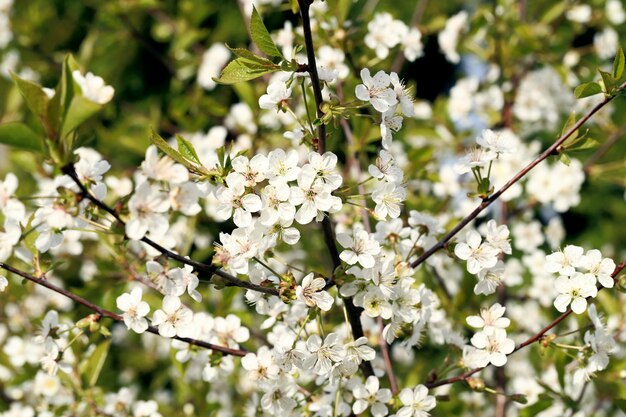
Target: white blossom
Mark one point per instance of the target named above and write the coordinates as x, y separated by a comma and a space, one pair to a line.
93, 87
134, 310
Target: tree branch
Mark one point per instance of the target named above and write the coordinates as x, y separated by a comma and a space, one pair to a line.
198, 266
354, 313
109, 314
487, 202
536, 337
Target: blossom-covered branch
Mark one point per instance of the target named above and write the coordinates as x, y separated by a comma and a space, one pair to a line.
109, 314
551, 150
199, 266
535, 338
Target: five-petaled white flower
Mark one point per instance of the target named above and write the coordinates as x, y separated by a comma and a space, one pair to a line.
376, 90
370, 395
311, 291
491, 317
134, 310
360, 247
416, 402
493, 346
174, 319
323, 354
601, 268
574, 290
93, 87
478, 255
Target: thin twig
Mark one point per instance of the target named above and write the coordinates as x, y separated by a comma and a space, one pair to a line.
488, 201
109, 314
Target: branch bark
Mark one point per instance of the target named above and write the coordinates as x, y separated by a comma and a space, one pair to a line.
198, 266
535, 338
488, 201
109, 314
354, 313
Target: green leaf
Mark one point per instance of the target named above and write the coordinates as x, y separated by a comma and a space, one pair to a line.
79, 111
36, 100
585, 144
565, 159
187, 150
569, 123
239, 70
618, 64
587, 89
534, 409
554, 12
261, 37
249, 56
31, 237
63, 94
609, 81
160, 143
96, 362
20, 136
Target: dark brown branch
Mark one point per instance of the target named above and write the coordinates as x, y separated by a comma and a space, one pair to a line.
109, 314
315, 79
198, 266
354, 313
487, 202
535, 338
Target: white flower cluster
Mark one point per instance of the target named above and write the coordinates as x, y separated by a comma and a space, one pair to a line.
281, 191
541, 99
382, 280
490, 146
384, 33
449, 36
579, 274
389, 194
162, 186
490, 344
384, 92
482, 256
600, 343
54, 222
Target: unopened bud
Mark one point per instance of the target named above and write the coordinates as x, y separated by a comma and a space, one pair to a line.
476, 384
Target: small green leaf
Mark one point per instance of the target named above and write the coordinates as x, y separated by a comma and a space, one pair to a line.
31, 237
609, 81
96, 361
20, 136
618, 64
160, 143
587, 89
239, 70
565, 159
569, 123
249, 56
64, 92
79, 111
585, 144
36, 100
261, 37
187, 150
